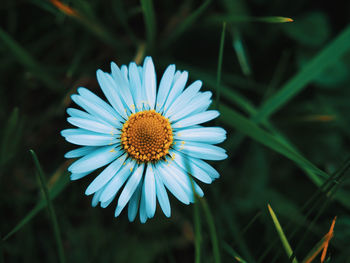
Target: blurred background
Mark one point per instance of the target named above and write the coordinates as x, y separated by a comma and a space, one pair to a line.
281, 87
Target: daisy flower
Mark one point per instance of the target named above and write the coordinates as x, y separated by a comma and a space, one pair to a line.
148, 140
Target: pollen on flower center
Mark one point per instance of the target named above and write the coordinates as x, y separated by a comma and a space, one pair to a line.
147, 136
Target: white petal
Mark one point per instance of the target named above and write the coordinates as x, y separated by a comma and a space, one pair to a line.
206, 167
134, 203
129, 189
122, 85
111, 92
149, 81
96, 198
201, 150
188, 164
183, 178
184, 98
197, 103
150, 192
211, 135
135, 86
94, 160
118, 180
79, 152
169, 181
78, 176
92, 125
196, 119
103, 178
97, 110
162, 195
88, 138
164, 86
176, 90
143, 213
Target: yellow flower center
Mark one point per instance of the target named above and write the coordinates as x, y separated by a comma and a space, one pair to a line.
147, 136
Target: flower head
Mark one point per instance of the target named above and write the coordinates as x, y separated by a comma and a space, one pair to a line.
148, 141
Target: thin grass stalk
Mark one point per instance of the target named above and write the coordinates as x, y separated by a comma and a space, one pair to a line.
50, 208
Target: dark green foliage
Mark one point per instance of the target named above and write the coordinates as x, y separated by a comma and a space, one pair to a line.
284, 101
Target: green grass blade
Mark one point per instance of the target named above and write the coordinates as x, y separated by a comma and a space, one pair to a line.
218, 75
28, 61
50, 207
249, 128
186, 23
150, 22
329, 55
212, 230
233, 253
240, 19
281, 234
238, 46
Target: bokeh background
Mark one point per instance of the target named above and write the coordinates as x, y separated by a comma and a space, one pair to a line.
283, 91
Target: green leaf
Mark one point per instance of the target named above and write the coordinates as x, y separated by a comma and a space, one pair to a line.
281, 234
150, 22
50, 207
327, 57
58, 186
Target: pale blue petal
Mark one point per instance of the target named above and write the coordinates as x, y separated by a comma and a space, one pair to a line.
196, 119
118, 180
96, 198
169, 181
92, 97
108, 202
82, 114
176, 90
150, 192
135, 85
110, 90
184, 98
201, 150
143, 214
91, 125
78, 176
124, 70
103, 178
94, 160
184, 180
129, 189
187, 163
122, 85
134, 203
88, 138
149, 81
162, 195
197, 103
211, 135
97, 110
164, 86
79, 152
206, 167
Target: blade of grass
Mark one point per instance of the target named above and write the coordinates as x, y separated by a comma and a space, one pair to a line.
55, 190
218, 75
28, 61
329, 55
240, 19
281, 234
50, 208
212, 230
237, 45
233, 253
150, 22
186, 24
237, 121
